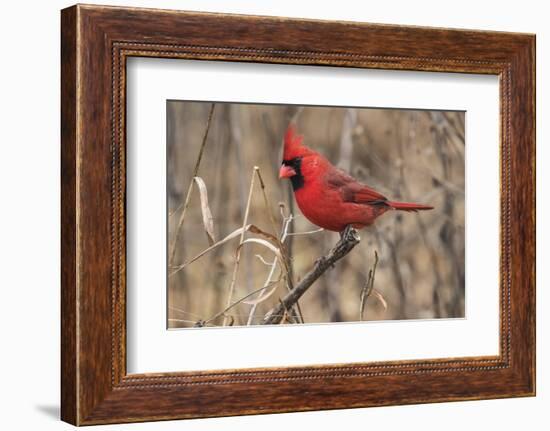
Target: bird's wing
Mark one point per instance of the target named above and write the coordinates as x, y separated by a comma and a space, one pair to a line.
353, 191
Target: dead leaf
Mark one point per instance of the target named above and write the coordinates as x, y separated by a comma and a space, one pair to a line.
207, 219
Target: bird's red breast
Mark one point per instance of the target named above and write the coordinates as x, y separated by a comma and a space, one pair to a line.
326, 195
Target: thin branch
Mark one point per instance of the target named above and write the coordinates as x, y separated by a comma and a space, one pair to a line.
179, 310
182, 321
287, 316
238, 232
238, 257
261, 258
367, 288
308, 232
293, 114
348, 240
286, 264
190, 188
238, 301
273, 223
272, 266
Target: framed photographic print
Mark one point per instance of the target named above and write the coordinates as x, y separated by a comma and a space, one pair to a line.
329, 214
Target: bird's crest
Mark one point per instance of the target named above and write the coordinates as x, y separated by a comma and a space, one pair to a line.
293, 144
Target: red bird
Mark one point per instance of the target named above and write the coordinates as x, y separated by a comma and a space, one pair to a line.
326, 195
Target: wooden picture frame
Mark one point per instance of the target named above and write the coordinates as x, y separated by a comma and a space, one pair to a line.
96, 41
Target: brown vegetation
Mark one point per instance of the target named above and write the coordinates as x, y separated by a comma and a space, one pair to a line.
405, 154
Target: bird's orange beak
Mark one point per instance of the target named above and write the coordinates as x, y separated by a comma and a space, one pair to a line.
286, 172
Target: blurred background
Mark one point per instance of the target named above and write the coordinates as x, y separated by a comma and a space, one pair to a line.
408, 155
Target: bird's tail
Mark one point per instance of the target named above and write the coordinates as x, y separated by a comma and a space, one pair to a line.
406, 206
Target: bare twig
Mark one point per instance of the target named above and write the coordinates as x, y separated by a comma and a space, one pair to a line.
237, 302
236, 137
287, 220
293, 114
348, 240
308, 232
185, 321
368, 287
272, 265
252, 312
190, 188
273, 224
287, 317
238, 232
286, 257
261, 259
238, 257
179, 310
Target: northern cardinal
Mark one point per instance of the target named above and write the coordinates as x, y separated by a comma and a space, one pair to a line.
326, 195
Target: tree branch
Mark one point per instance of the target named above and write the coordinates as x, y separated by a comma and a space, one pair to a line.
348, 240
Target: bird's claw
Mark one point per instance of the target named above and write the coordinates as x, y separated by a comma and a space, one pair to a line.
350, 234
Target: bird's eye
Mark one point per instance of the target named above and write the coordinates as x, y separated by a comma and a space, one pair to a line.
293, 163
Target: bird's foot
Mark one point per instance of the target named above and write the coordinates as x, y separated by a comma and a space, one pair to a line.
350, 234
